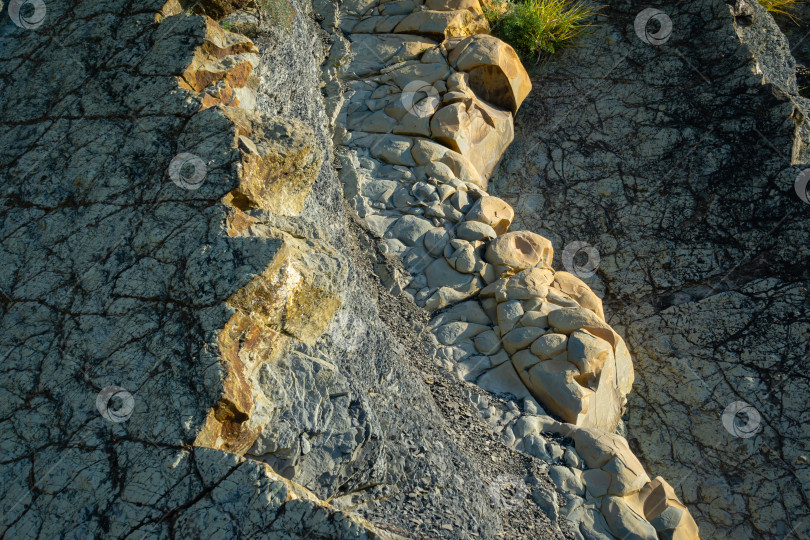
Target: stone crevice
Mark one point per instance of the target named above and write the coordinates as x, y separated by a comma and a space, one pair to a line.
503, 318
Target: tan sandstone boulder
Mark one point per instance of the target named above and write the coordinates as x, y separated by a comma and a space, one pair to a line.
520, 250
666, 513
425, 152
494, 212
566, 320
443, 24
572, 376
579, 291
495, 72
531, 283
624, 521
566, 355
598, 447
553, 382
476, 130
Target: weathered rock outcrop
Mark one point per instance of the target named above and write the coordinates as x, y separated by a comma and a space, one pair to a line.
190, 327
122, 324
678, 163
504, 318
216, 323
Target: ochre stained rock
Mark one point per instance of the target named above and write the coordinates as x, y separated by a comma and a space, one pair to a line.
221, 93
296, 294
294, 298
244, 343
171, 7
223, 56
280, 161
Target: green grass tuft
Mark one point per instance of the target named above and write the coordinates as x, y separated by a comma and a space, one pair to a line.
537, 27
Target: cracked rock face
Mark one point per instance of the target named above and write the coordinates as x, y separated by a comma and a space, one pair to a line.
253, 284
677, 163
190, 332
118, 265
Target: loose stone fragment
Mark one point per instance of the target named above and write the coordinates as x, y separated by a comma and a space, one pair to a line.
473, 230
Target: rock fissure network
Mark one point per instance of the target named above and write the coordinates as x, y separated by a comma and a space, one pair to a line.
256, 280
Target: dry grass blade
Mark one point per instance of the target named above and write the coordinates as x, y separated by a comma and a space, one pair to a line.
782, 7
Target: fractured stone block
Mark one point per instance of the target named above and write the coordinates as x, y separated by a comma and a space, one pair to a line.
279, 163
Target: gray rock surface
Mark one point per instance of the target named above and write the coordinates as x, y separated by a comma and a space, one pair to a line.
118, 276
677, 164
116, 271
207, 311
